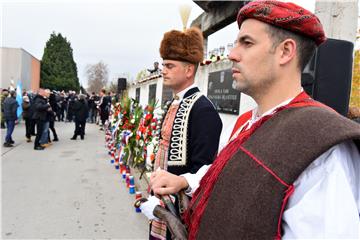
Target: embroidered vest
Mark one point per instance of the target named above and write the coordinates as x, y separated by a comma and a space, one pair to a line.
246, 202
177, 153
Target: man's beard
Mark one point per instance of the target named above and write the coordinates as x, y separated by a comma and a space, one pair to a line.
248, 85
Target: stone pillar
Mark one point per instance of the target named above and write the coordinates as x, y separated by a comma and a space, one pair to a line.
339, 18
205, 47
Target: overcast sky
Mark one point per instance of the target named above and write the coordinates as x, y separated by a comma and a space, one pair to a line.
124, 34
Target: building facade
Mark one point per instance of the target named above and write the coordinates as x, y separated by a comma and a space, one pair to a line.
17, 65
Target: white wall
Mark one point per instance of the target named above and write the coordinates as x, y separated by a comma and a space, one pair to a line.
10, 66
25, 76
16, 66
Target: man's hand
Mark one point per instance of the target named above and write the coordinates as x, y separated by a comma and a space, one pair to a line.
163, 182
147, 208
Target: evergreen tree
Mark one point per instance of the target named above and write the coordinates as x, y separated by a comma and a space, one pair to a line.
58, 70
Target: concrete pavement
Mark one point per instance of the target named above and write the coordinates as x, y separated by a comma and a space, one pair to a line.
69, 190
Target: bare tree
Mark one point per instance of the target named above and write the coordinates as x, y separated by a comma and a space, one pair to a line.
97, 76
113, 87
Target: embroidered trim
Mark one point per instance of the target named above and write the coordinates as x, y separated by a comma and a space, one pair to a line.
178, 140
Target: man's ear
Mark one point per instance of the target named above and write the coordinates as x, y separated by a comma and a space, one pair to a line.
287, 51
190, 70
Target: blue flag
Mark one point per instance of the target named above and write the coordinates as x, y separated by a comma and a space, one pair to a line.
19, 98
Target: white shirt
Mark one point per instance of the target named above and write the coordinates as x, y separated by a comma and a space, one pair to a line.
182, 93
326, 200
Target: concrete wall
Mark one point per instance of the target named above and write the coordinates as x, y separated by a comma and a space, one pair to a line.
339, 18
25, 76
10, 66
19, 65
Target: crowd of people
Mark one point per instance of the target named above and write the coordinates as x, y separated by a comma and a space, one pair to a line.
42, 109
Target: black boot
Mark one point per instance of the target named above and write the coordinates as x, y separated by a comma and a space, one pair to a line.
7, 144
74, 137
39, 148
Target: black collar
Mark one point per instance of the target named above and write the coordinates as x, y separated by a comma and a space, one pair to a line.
191, 91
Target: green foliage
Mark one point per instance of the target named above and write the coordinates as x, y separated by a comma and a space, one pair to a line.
58, 70
142, 74
355, 87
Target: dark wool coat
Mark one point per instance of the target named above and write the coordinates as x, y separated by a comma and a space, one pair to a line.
10, 108
40, 108
204, 129
81, 110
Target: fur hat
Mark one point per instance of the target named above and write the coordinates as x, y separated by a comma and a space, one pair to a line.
184, 46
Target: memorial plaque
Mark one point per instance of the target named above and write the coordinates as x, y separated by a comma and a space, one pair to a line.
166, 95
137, 95
221, 92
152, 92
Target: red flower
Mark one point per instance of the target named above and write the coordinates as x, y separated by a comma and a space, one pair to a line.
148, 117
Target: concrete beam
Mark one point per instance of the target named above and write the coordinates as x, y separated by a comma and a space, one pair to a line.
219, 15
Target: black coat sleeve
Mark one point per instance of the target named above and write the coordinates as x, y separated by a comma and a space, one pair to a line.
41, 105
204, 134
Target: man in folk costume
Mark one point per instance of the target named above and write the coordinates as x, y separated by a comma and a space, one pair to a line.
191, 127
291, 168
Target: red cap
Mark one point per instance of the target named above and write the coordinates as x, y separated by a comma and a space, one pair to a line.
288, 16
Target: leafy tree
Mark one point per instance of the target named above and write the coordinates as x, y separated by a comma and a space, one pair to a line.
58, 69
142, 74
97, 75
355, 86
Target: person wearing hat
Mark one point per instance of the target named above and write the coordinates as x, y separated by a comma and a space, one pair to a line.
27, 115
291, 167
10, 116
191, 127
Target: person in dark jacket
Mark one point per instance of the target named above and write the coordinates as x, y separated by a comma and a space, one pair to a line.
52, 115
10, 116
104, 107
4, 94
70, 108
92, 108
63, 106
41, 107
31, 118
27, 115
81, 111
